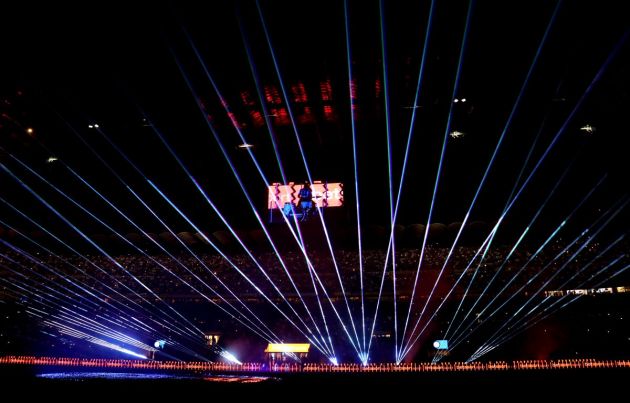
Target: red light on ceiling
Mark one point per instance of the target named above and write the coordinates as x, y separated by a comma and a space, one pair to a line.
202, 104
268, 96
307, 117
326, 90
257, 119
282, 117
353, 89
272, 95
299, 93
329, 113
378, 88
247, 98
235, 121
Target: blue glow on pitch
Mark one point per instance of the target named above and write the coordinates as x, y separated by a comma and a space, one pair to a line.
72, 375
356, 176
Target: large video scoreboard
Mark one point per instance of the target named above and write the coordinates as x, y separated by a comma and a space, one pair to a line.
324, 194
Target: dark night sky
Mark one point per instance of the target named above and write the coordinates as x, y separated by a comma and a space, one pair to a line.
107, 63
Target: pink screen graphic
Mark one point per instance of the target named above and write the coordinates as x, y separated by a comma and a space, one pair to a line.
324, 194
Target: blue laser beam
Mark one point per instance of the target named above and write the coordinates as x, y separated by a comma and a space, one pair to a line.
355, 170
529, 225
231, 263
152, 240
242, 186
143, 252
102, 251
499, 270
533, 257
301, 149
557, 271
404, 166
389, 170
495, 152
440, 164
543, 315
261, 173
298, 237
562, 129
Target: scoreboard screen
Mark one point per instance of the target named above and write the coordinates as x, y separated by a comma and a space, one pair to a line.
324, 194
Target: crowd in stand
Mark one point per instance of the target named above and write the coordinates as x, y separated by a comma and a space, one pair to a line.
172, 276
